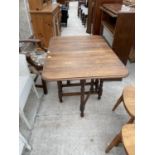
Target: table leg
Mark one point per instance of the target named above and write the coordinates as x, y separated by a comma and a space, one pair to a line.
96, 85
100, 89
44, 86
82, 105
59, 83
68, 82
92, 85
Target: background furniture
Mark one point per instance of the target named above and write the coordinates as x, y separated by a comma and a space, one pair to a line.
23, 144
25, 85
84, 14
80, 3
64, 2
94, 14
35, 56
129, 2
78, 58
64, 15
45, 21
117, 27
128, 99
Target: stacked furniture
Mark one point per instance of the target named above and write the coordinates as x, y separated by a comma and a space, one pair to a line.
117, 27
94, 14
115, 21
80, 2
128, 99
83, 11
64, 15
45, 18
64, 2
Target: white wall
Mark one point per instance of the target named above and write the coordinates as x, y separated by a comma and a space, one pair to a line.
25, 29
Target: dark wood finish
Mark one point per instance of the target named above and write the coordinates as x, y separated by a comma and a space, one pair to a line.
59, 83
121, 25
91, 4
38, 67
46, 22
82, 105
44, 86
79, 93
82, 58
100, 89
96, 85
94, 14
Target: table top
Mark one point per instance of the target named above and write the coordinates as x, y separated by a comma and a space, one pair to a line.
129, 99
128, 137
81, 57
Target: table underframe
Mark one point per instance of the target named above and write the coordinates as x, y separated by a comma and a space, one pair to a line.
96, 88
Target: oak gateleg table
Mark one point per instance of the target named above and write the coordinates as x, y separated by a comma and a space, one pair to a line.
82, 58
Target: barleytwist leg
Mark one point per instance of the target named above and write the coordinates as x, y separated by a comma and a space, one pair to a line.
100, 89
82, 105
59, 83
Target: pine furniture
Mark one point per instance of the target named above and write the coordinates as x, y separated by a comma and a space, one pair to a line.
45, 19
128, 99
128, 138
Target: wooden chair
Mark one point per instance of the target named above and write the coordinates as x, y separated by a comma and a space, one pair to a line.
128, 99
128, 138
35, 57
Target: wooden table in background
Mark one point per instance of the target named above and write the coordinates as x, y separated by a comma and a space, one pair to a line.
81, 58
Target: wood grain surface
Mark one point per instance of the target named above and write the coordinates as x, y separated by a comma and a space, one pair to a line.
128, 137
81, 57
129, 99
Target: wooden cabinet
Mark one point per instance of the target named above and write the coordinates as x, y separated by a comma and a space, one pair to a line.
118, 28
94, 14
46, 22
37, 4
